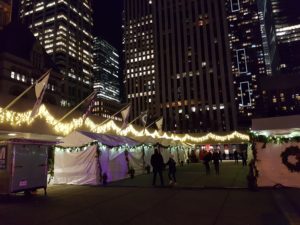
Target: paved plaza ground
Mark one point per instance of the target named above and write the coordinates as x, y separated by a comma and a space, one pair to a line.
197, 199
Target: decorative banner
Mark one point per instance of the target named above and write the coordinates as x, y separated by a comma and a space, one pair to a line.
40, 89
3, 157
278, 164
144, 117
159, 124
125, 116
90, 101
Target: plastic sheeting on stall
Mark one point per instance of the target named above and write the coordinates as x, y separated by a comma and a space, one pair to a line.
77, 167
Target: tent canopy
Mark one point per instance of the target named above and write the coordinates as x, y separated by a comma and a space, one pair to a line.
80, 138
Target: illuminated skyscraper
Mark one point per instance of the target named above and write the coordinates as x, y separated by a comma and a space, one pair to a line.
287, 24
106, 70
5, 12
248, 62
178, 64
64, 27
282, 21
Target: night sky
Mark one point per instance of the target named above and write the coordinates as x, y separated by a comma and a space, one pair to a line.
108, 21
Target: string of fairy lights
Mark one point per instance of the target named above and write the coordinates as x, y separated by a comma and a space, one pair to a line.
17, 119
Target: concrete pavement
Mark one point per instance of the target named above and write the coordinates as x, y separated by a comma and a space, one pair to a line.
141, 204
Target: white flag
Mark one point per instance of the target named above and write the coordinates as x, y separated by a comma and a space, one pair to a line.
159, 124
40, 89
91, 101
125, 116
144, 117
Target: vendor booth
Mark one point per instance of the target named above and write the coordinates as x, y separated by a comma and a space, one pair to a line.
276, 147
84, 157
23, 165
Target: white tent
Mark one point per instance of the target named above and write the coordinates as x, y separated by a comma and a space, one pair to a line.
277, 161
77, 162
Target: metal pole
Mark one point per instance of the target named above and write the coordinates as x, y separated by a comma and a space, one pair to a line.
24, 92
72, 110
114, 115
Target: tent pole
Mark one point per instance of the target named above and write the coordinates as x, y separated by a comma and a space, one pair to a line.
24, 92
105, 121
72, 110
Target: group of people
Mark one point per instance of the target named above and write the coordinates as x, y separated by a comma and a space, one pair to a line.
216, 158
158, 165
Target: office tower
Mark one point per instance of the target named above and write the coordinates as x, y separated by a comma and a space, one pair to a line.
287, 25
280, 96
5, 12
22, 62
268, 33
106, 70
63, 27
178, 65
248, 63
282, 17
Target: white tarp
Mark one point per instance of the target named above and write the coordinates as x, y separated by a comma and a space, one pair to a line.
80, 138
271, 169
76, 167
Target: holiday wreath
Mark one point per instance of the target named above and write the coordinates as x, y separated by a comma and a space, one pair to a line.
291, 151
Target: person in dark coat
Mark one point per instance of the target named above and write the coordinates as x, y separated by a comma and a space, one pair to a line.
216, 160
244, 158
236, 156
172, 169
206, 160
157, 164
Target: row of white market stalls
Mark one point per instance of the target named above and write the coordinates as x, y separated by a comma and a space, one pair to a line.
85, 158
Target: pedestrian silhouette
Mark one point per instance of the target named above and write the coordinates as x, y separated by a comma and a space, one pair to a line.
206, 160
216, 161
236, 157
172, 169
157, 164
244, 158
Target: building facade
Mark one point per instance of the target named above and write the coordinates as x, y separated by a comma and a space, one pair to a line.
63, 28
248, 62
280, 96
287, 25
5, 12
22, 62
106, 70
178, 64
282, 22
107, 109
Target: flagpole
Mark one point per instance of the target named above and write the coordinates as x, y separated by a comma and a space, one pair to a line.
153, 123
135, 119
72, 110
113, 115
24, 92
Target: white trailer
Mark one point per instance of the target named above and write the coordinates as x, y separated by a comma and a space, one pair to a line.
23, 165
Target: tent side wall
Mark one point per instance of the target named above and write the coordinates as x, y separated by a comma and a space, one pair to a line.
271, 168
76, 168
5, 167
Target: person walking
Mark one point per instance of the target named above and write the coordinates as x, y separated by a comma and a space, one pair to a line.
206, 160
244, 158
157, 164
172, 170
236, 157
216, 161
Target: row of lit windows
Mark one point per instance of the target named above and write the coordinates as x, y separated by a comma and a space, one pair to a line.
23, 78
140, 68
141, 94
138, 59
